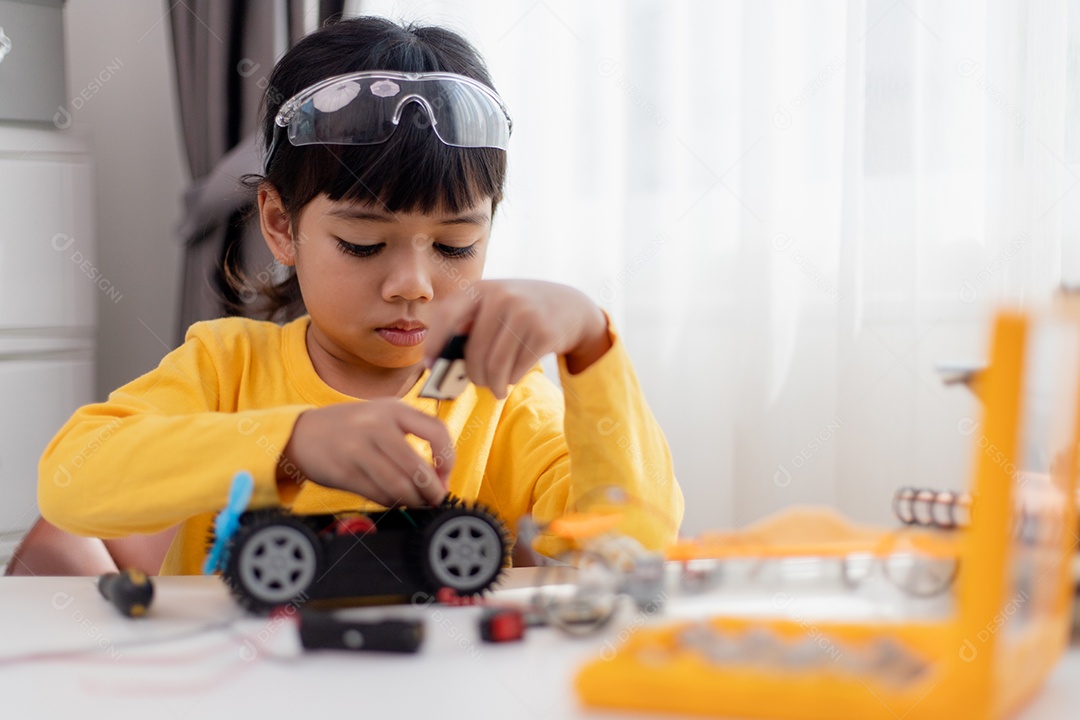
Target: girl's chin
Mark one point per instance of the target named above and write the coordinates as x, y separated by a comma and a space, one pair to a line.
397, 358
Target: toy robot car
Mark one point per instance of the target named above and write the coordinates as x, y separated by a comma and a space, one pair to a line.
276, 558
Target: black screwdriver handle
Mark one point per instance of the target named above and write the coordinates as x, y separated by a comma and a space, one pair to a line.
129, 590
320, 630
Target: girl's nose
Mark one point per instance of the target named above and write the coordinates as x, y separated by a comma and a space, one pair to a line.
409, 277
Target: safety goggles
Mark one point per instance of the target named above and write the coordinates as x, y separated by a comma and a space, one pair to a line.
364, 108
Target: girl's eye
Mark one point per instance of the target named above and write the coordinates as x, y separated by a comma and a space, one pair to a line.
358, 250
456, 252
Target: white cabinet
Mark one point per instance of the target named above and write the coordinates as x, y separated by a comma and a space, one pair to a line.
50, 285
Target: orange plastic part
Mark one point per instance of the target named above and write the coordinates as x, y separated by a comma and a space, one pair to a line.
1012, 609
581, 526
811, 532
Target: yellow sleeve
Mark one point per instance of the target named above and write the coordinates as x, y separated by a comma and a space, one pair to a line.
554, 455
159, 451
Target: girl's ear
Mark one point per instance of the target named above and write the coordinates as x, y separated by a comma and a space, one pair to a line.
276, 226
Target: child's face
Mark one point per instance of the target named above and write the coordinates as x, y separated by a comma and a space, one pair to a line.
363, 270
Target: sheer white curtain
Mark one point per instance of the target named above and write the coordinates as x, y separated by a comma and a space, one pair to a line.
793, 211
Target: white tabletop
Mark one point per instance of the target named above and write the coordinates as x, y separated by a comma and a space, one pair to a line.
220, 663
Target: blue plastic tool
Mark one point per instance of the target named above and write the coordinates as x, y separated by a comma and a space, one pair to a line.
228, 520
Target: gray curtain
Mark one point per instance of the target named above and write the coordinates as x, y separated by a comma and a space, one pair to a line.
224, 51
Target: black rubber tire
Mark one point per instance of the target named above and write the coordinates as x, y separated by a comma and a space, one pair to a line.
274, 559
465, 549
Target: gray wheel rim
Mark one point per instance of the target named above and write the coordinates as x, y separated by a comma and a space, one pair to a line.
277, 564
465, 552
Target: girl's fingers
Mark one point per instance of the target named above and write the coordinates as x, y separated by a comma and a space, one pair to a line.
486, 326
521, 363
498, 355
373, 488
387, 474
433, 430
435, 479
505, 350
454, 316
412, 473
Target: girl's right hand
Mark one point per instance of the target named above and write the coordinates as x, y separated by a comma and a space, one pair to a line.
361, 447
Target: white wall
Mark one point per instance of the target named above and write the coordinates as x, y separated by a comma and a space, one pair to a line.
121, 86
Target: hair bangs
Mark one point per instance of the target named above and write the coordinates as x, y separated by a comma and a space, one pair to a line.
413, 171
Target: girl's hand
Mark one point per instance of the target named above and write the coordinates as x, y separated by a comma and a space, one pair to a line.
513, 323
361, 447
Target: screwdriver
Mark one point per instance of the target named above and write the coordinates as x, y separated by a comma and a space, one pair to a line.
129, 590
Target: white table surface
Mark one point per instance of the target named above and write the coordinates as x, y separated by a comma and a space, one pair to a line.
210, 673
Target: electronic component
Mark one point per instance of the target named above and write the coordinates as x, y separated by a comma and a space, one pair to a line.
448, 378
323, 631
502, 624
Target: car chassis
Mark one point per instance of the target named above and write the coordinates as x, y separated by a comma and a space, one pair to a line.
277, 558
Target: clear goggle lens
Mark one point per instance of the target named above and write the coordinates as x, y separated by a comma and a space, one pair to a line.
365, 109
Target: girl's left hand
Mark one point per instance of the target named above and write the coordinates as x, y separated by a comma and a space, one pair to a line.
512, 324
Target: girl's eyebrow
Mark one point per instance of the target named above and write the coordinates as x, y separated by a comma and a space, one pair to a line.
478, 218
349, 212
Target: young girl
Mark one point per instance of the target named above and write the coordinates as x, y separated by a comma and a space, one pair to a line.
378, 195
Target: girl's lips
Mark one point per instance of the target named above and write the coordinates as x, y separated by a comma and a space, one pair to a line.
402, 338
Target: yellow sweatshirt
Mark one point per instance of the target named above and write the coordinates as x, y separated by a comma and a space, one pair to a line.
163, 449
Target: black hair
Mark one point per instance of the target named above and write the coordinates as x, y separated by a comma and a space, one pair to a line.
413, 171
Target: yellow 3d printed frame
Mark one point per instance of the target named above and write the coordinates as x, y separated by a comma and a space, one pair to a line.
1011, 613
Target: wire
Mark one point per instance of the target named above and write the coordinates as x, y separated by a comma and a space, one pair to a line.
93, 652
